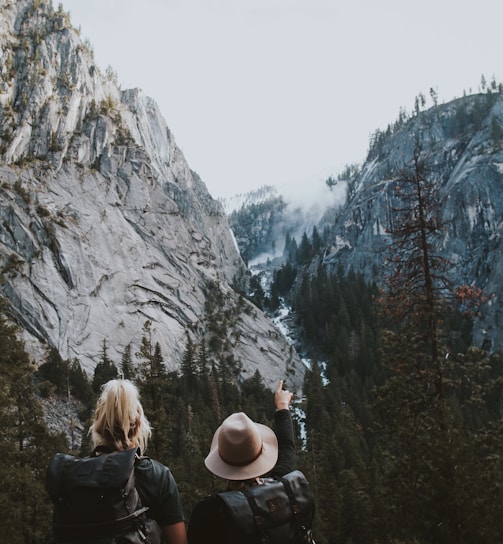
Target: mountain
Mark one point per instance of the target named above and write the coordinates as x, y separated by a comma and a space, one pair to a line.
461, 145
262, 219
106, 234
243, 200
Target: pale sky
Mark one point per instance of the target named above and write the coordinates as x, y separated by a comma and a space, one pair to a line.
287, 92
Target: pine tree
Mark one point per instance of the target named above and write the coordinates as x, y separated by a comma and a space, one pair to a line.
304, 253
256, 399
290, 250
188, 370
158, 397
105, 370
25, 445
316, 240
55, 370
79, 384
127, 367
429, 451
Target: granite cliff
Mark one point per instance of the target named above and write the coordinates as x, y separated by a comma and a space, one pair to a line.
103, 225
461, 145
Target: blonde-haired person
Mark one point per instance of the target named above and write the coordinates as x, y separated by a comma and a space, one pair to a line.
120, 424
241, 452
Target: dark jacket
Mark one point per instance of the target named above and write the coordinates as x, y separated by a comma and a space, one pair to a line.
158, 490
208, 522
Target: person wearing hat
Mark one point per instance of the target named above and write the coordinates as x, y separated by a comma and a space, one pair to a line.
242, 452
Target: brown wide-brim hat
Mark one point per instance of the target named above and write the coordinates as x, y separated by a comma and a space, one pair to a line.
242, 449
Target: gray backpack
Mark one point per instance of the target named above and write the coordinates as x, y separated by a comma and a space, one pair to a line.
95, 500
280, 511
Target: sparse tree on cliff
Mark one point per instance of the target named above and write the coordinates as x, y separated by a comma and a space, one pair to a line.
432, 461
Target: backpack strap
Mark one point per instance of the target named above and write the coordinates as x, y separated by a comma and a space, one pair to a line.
239, 509
297, 489
258, 517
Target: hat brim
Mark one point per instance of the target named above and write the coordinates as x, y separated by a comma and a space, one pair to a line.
260, 466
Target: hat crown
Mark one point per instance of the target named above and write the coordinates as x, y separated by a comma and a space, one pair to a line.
239, 440
242, 449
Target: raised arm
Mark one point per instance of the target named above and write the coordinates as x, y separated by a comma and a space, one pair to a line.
282, 398
283, 427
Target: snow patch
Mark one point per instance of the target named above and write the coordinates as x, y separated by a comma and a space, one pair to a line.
471, 212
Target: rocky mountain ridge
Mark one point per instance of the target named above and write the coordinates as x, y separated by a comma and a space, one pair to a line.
262, 219
104, 227
461, 145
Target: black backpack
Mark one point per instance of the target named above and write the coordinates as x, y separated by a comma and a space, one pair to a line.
95, 500
280, 511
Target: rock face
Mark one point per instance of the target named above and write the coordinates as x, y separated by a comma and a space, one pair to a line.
103, 225
462, 145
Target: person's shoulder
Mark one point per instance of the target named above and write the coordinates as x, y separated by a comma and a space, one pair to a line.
208, 501
207, 522
145, 461
209, 504
207, 508
148, 465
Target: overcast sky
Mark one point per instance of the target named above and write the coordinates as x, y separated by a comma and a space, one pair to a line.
287, 92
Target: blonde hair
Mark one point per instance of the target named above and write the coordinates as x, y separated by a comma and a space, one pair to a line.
119, 421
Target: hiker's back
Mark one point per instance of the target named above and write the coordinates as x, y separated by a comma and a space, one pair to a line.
114, 495
95, 500
279, 511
